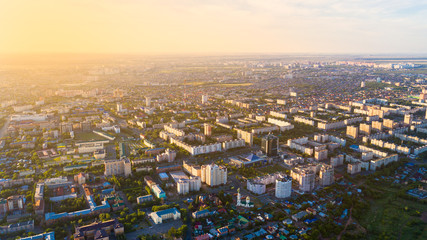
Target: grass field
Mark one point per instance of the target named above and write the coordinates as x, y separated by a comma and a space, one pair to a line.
392, 217
272, 169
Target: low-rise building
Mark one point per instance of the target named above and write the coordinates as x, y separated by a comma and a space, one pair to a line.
99, 230
146, 198
160, 216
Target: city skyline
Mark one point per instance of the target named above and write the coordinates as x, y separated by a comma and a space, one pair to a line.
214, 27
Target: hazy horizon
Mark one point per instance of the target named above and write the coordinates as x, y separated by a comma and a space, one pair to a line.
213, 27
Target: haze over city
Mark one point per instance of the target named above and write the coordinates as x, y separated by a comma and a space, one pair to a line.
213, 120
214, 27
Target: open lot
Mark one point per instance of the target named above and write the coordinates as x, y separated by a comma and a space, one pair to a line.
394, 217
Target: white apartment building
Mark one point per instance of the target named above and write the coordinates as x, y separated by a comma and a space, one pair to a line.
215, 175
283, 187
326, 175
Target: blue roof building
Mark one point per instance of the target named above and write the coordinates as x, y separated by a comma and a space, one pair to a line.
42, 236
160, 216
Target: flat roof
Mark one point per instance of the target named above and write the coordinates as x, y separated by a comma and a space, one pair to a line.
178, 175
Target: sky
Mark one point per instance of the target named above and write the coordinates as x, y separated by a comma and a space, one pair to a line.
214, 26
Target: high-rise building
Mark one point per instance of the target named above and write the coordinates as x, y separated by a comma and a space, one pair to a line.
305, 178
204, 99
66, 127
247, 136
408, 119
283, 187
388, 123
119, 107
354, 168
321, 154
362, 84
215, 175
377, 125
118, 167
326, 175
208, 129
270, 145
148, 101
365, 128
352, 131
185, 186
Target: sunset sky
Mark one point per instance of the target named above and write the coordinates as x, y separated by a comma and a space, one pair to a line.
213, 26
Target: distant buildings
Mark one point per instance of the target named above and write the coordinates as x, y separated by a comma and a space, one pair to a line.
148, 101
204, 99
408, 119
119, 107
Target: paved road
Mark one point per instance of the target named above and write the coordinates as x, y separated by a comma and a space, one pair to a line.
189, 232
